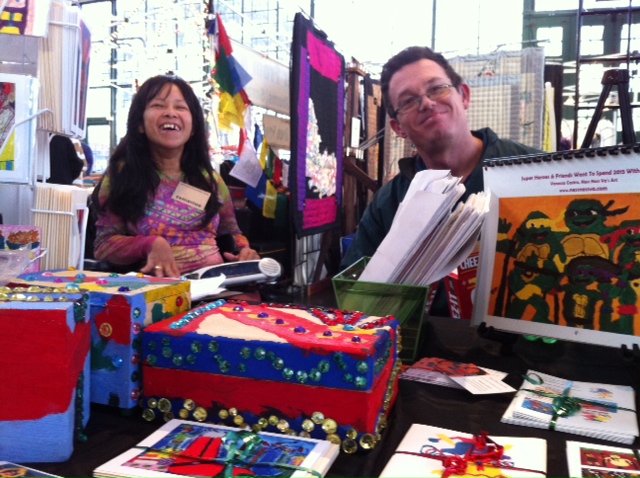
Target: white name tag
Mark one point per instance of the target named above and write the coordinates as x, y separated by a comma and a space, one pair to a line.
191, 196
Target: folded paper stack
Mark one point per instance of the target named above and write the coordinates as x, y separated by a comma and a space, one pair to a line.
44, 370
321, 373
119, 306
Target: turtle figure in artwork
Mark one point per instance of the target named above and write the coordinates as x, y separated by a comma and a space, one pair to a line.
585, 220
539, 259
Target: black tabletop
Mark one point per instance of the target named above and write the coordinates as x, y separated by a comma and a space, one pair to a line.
111, 432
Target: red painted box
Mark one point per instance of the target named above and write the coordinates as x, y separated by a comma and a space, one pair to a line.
326, 373
44, 372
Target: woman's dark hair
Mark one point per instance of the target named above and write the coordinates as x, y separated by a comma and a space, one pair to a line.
131, 169
406, 57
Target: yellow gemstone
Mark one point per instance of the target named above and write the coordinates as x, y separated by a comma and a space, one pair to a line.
152, 403
367, 441
256, 428
308, 425
189, 404
238, 420
282, 425
382, 422
330, 426
183, 413
290, 432
200, 414
164, 405
317, 417
333, 438
304, 434
148, 414
273, 420
223, 414
352, 433
168, 417
349, 446
263, 423
233, 412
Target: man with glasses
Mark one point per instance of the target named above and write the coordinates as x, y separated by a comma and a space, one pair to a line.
427, 103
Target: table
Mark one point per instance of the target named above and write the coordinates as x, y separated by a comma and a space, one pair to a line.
110, 432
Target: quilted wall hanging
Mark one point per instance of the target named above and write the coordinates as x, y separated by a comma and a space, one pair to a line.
317, 127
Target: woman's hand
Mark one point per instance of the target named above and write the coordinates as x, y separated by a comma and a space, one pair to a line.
160, 260
245, 254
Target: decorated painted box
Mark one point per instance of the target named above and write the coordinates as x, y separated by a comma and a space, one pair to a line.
45, 374
324, 373
120, 306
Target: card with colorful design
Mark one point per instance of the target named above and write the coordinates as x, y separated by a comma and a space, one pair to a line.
588, 460
598, 410
475, 379
187, 448
8, 469
427, 451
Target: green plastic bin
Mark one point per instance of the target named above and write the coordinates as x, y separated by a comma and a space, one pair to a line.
407, 303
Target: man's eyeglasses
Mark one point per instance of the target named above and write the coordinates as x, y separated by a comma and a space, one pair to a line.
434, 93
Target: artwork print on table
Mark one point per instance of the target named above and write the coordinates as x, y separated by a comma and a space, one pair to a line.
192, 450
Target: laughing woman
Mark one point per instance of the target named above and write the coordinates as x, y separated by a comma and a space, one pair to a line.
160, 203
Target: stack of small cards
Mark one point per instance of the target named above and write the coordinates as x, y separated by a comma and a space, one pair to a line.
432, 451
187, 448
605, 411
477, 380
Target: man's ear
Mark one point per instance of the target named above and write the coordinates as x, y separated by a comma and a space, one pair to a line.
397, 129
465, 92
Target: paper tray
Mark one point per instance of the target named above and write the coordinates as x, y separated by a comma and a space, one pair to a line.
407, 303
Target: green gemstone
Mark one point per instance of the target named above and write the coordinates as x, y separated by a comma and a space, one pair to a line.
302, 376
288, 373
178, 360
324, 366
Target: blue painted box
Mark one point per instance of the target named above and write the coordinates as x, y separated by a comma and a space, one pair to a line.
120, 306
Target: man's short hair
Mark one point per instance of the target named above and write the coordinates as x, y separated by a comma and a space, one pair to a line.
406, 57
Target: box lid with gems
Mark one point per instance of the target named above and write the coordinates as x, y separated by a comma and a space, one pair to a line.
327, 348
